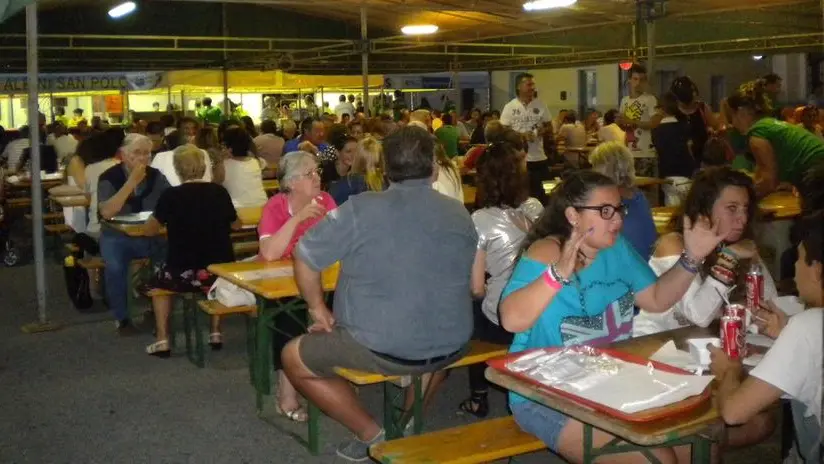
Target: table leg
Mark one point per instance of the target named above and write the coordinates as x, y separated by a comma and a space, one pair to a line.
701, 450
250, 346
417, 406
263, 352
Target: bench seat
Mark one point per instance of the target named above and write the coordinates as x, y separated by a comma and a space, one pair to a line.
479, 442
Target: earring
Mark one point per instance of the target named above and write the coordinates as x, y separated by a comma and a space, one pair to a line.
575, 224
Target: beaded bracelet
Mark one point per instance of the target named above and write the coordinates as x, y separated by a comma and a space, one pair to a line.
689, 264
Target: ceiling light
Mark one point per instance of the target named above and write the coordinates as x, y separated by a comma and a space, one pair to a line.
547, 4
420, 29
758, 57
122, 9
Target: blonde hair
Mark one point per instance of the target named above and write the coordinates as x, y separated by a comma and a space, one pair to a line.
614, 160
369, 162
189, 162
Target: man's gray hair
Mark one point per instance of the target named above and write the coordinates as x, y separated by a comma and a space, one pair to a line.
614, 160
291, 165
132, 140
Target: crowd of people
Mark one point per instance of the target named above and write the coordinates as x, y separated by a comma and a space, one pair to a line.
421, 275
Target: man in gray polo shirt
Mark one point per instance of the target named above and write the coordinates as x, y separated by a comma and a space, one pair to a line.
402, 305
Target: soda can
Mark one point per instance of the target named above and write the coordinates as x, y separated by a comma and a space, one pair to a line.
733, 337
736, 310
755, 287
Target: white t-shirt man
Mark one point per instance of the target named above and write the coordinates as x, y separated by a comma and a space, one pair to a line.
793, 365
527, 119
164, 162
344, 108
641, 109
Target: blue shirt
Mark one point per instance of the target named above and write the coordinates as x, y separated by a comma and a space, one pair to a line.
345, 187
596, 309
639, 228
292, 145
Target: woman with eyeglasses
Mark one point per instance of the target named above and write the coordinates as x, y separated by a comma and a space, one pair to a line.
577, 282
504, 215
298, 207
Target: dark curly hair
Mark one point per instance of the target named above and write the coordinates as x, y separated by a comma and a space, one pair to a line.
707, 186
573, 190
502, 181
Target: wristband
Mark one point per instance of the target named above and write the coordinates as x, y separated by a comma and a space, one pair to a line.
550, 280
689, 264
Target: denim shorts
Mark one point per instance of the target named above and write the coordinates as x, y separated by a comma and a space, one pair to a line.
541, 421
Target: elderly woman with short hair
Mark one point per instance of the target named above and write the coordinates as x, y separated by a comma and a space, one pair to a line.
615, 161
286, 217
199, 217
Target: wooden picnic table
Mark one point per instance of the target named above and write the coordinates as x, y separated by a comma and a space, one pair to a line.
271, 185
25, 182
275, 294
469, 193
71, 200
699, 426
777, 206
644, 182
249, 216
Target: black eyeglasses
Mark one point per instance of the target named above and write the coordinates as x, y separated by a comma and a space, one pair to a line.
607, 211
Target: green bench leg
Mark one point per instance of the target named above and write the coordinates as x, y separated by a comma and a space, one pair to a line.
313, 429
250, 347
263, 351
701, 448
417, 406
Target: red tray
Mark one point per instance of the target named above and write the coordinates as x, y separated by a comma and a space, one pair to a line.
647, 415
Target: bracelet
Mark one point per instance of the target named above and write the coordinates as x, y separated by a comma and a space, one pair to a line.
689, 264
553, 270
550, 280
722, 274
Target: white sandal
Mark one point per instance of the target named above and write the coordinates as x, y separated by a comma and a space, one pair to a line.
216, 341
159, 348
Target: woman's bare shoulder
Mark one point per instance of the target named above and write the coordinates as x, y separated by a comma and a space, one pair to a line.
546, 250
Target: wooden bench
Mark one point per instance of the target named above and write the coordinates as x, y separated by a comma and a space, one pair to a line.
479, 442
244, 235
18, 203
394, 416
94, 262
57, 229
51, 217
215, 308
245, 248
71, 248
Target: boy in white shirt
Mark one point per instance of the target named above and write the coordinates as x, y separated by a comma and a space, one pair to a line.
638, 117
792, 368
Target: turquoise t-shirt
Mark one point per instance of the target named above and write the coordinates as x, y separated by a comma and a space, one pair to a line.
596, 309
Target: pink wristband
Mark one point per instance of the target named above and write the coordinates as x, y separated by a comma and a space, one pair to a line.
553, 284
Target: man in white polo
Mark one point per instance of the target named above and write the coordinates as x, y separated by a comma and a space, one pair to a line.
528, 116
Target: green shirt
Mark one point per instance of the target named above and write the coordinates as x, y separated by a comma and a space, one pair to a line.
796, 149
449, 136
211, 114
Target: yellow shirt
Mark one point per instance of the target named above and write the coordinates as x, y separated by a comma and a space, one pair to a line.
75, 121
436, 124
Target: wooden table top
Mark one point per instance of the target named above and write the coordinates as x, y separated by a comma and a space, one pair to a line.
270, 185
250, 217
779, 205
23, 183
243, 274
645, 434
71, 200
642, 182
469, 193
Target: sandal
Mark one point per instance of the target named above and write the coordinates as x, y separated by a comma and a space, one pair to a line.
216, 341
295, 415
477, 405
159, 348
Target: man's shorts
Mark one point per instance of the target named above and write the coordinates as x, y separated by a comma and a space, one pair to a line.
322, 352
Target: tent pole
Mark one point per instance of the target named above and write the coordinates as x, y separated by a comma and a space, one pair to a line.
42, 324
364, 59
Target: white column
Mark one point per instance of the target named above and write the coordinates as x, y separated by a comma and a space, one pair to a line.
364, 59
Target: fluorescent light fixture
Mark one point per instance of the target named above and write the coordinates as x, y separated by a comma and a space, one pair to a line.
547, 4
419, 29
758, 57
122, 9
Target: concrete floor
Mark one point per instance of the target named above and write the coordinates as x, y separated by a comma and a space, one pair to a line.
84, 395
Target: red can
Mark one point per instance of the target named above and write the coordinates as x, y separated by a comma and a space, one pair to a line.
755, 287
733, 337
736, 310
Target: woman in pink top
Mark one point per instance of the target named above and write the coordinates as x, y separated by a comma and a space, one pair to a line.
286, 217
